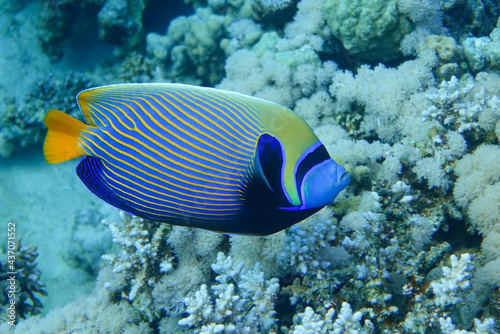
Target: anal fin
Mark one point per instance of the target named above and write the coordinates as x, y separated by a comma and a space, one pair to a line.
90, 171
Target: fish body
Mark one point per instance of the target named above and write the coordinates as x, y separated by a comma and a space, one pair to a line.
197, 157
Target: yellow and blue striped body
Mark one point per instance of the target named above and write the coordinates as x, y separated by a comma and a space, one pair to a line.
199, 157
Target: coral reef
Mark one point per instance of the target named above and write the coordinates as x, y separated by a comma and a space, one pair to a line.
242, 301
412, 245
192, 46
21, 123
275, 12
62, 20
477, 190
120, 23
97, 312
372, 33
89, 241
158, 264
346, 322
21, 284
117, 22
469, 18
482, 53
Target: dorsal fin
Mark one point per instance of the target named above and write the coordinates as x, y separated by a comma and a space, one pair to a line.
82, 100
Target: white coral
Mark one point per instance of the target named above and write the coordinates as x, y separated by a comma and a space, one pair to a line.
478, 187
422, 230
455, 278
348, 322
199, 306
476, 171
304, 241
242, 302
431, 170
309, 322
313, 323
480, 327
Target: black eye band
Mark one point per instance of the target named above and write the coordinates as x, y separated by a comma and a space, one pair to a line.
317, 156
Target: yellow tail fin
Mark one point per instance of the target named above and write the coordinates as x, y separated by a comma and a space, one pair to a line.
61, 143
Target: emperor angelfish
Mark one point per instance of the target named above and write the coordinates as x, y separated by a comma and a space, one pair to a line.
197, 157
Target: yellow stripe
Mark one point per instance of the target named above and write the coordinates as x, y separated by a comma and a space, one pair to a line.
183, 122
176, 216
239, 106
148, 174
175, 145
177, 206
181, 130
158, 153
213, 201
152, 167
167, 190
241, 103
256, 114
193, 101
221, 96
201, 124
185, 181
131, 120
172, 215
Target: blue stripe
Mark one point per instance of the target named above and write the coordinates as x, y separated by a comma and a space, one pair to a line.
139, 193
217, 119
167, 156
103, 147
168, 123
173, 141
174, 153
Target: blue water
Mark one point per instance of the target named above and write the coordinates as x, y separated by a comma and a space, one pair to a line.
403, 94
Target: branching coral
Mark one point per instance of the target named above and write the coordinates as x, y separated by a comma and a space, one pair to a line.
454, 277
21, 283
451, 289
305, 243
377, 255
309, 322
154, 261
242, 301
480, 327
94, 313
143, 247
455, 107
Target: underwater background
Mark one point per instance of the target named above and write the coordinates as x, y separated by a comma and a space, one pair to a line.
403, 93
